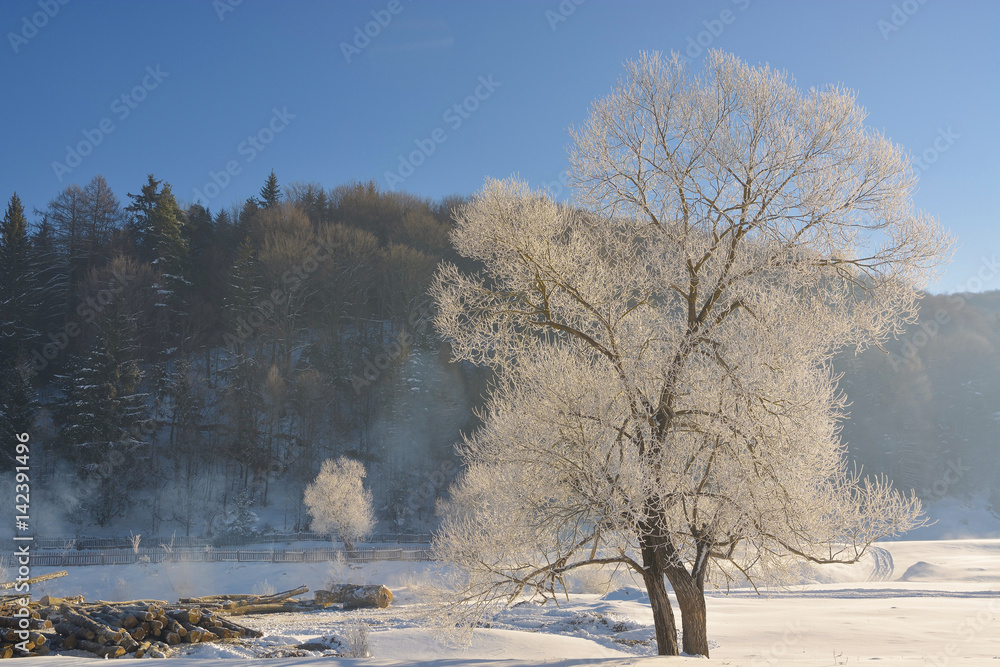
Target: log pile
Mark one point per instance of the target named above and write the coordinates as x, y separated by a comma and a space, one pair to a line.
238, 605
139, 628
153, 628
351, 596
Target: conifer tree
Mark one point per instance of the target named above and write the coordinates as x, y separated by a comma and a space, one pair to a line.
51, 271
17, 295
170, 249
18, 305
140, 220
270, 193
243, 398
244, 292
104, 416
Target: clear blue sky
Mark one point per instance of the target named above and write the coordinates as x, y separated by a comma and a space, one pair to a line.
222, 78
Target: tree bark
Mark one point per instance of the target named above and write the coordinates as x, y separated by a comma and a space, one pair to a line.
691, 600
659, 601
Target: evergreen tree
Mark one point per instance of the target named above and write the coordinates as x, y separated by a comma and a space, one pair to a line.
247, 213
51, 271
170, 247
243, 397
171, 287
244, 293
187, 442
103, 416
225, 226
18, 306
17, 293
270, 194
208, 262
140, 218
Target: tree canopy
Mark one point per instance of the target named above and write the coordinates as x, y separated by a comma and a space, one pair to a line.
665, 398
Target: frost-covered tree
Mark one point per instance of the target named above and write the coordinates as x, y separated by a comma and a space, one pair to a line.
665, 400
338, 503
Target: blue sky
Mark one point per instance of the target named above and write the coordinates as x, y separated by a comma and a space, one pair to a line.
258, 85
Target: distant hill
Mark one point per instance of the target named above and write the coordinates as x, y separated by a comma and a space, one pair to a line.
926, 410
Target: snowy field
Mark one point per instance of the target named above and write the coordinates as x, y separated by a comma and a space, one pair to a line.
932, 602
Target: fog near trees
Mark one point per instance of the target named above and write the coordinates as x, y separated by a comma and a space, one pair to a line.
359, 371
926, 411
188, 370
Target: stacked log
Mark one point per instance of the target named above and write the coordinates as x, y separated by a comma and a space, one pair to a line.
139, 628
153, 628
238, 605
349, 595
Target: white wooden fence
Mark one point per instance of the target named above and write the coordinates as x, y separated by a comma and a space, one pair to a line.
67, 558
181, 542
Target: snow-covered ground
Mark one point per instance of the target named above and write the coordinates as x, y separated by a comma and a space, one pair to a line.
912, 603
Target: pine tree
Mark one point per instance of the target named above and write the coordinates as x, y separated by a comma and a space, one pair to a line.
140, 219
244, 220
270, 194
243, 295
17, 293
170, 250
104, 416
18, 307
51, 271
243, 398
158, 226
187, 442
208, 262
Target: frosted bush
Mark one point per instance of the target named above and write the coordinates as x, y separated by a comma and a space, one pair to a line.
263, 588
356, 641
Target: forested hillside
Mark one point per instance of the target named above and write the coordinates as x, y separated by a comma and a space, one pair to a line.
926, 411
185, 369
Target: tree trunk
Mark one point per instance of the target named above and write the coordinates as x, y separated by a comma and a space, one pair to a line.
691, 600
659, 601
